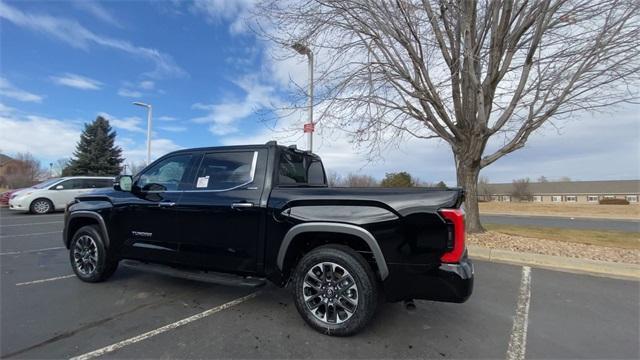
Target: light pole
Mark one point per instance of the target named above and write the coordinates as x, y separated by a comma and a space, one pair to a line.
148, 129
304, 50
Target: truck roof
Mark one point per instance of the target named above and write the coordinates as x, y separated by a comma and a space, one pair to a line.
269, 144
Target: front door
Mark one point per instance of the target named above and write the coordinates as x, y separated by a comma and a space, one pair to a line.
151, 219
222, 211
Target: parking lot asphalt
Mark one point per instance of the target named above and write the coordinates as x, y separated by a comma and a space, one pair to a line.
563, 222
47, 313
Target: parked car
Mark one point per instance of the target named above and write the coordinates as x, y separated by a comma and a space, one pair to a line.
54, 194
245, 214
5, 196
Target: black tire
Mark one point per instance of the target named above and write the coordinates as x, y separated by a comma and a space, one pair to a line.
86, 242
41, 206
363, 277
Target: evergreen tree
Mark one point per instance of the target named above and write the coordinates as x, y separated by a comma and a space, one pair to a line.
96, 154
400, 179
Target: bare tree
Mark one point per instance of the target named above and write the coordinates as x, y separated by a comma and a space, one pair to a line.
543, 179
333, 179
22, 171
484, 190
463, 71
357, 180
521, 189
60, 165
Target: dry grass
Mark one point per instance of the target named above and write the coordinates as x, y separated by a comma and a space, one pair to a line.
569, 210
610, 238
545, 246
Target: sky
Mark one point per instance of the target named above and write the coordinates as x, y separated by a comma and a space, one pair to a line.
211, 81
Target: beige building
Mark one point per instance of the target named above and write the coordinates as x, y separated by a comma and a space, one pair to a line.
588, 192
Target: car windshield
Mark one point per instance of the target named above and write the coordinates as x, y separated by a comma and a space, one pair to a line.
46, 183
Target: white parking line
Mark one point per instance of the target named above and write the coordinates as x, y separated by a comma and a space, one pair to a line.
27, 224
160, 330
31, 234
45, 280
32, 251
518, 340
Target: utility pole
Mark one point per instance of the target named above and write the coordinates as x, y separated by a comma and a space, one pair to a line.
309, 127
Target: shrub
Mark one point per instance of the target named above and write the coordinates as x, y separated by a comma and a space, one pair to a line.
613, 202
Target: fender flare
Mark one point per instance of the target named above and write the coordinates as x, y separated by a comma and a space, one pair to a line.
87, 214
335, 228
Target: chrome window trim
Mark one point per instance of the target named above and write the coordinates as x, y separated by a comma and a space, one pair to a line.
252, 174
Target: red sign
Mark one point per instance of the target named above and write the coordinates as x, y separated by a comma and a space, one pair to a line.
309, 128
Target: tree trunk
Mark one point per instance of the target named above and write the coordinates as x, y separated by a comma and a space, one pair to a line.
468, 179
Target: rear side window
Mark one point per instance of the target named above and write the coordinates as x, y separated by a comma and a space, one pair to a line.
297, 168
225, 170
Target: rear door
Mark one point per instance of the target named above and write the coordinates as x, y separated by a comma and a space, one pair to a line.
221, 212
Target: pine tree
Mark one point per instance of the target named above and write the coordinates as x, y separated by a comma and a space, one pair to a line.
96, 154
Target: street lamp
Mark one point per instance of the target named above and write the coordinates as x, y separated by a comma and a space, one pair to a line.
304, 50
148, 129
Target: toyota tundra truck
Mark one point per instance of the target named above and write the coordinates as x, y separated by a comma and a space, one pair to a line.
244, 215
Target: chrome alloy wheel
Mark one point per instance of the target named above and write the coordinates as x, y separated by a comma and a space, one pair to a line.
330, 293
85, 255
41, 206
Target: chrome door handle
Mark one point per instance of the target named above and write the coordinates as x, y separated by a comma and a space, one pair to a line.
242, 205
166, 204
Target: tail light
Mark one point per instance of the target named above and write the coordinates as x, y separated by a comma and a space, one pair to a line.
455, 217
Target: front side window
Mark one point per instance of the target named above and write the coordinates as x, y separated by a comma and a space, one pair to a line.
165, 175
296, 169
225, 170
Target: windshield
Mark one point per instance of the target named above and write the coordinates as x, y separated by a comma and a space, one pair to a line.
46, 183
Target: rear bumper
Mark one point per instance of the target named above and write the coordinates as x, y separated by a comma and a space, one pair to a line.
446, 282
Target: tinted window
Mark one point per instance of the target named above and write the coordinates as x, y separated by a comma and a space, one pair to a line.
97, 183
297, 168
224, 170
71, 184
164, 175
44, 184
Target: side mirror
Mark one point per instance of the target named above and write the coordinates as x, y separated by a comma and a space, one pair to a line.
59, 187
123, 183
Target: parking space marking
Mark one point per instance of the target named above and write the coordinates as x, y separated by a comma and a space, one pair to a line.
32, 251
27, 224
45, 280
160, 330
518, 339
31, 234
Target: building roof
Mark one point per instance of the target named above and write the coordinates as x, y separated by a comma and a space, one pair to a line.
573, 187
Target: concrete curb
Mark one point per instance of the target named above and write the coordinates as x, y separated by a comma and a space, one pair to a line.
592, 267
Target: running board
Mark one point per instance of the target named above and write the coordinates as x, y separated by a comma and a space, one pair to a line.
203, 276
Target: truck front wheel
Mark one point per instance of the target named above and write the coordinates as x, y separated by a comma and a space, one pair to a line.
335, 290
89, 257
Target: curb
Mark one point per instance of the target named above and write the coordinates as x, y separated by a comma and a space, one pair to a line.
561, 263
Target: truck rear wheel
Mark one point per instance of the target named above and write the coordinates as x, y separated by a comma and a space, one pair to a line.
335, 290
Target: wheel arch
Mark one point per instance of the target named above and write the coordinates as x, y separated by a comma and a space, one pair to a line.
296, 234
79, 219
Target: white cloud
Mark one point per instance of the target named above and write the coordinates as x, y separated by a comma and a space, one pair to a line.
76, 35
223, 117
167, 118
129, 93
147, 85
234, 11
96, 9
9, 90
173, 128
30, 133
77, 81
138, 154
131, 123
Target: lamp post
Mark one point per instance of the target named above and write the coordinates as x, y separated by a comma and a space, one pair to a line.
148, 106
304, 50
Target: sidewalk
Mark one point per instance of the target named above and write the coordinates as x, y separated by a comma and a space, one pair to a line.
592, 267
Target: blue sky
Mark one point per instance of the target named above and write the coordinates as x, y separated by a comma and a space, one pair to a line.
208, 77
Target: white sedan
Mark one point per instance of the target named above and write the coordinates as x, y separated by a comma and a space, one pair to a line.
55, 194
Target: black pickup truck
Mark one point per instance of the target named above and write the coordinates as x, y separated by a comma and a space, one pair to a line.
245, 214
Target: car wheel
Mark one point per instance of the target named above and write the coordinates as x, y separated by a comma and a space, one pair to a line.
335, 290
90, 260
41, 206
